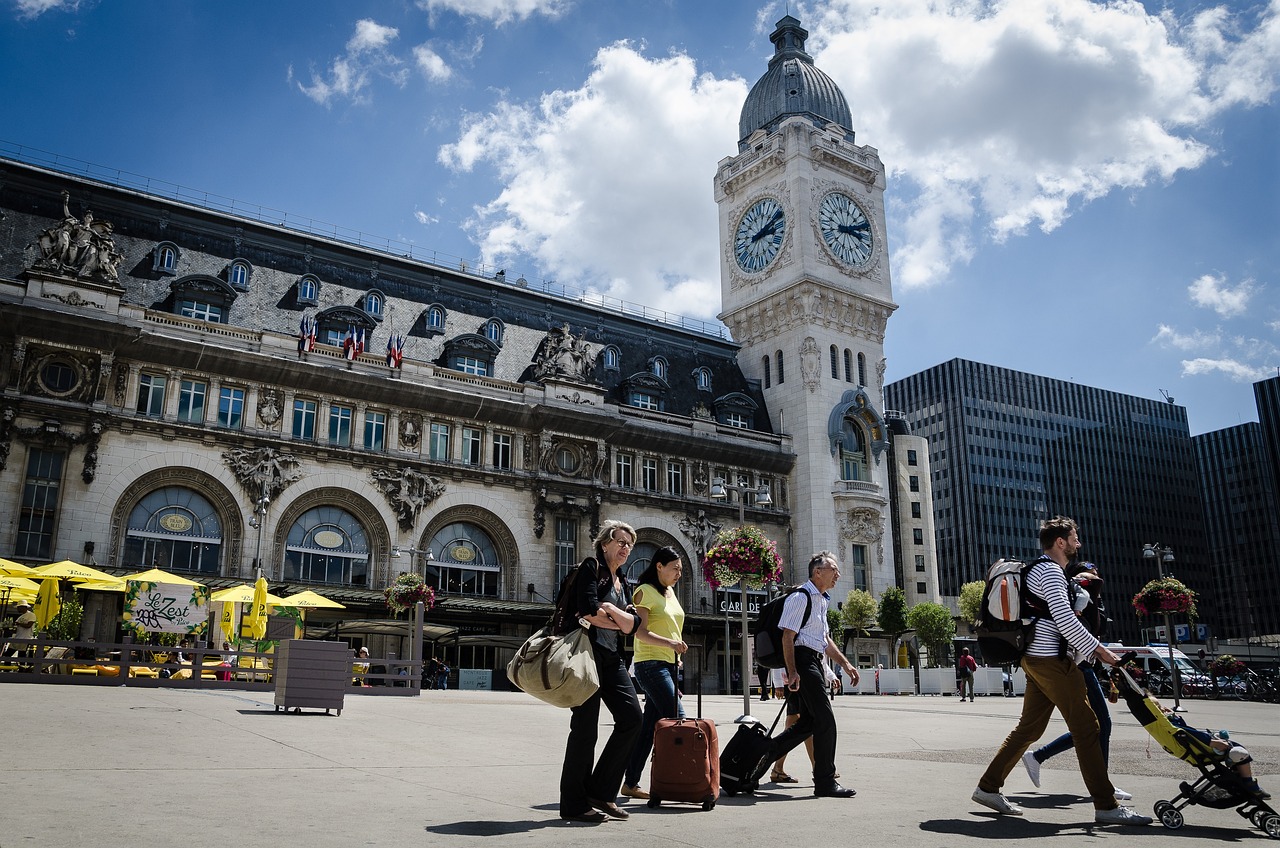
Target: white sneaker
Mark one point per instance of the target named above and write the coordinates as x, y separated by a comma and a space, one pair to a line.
997, 802
1120, 815
1033, 768
1121, 795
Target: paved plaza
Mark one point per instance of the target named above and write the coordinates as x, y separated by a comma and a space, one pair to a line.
114, 767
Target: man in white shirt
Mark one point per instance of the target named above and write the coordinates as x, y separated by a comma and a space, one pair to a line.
1058, 640
804, 642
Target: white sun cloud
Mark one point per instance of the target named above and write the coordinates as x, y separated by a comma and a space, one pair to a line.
367, 54
1167, 336
1213, 292
608, 185
498, 11
432, 66
36, 8
1240, 372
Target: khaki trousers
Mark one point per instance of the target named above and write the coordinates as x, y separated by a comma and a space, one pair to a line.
1054, 682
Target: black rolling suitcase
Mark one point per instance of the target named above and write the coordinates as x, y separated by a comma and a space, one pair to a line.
745, 759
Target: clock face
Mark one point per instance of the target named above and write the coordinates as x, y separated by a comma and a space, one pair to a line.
845, 229
759, 235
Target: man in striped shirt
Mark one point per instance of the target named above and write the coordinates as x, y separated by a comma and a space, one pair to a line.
1057, 643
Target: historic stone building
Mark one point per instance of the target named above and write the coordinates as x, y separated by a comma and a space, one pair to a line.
210, 392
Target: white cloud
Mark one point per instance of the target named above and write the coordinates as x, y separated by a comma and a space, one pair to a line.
349, 75
1167, 336
423, 218
36, 8
432, 66
498, 11
608, 186
1213, 292
1238, 371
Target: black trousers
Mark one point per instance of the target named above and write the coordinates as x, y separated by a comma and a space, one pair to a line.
579, 781
816, 720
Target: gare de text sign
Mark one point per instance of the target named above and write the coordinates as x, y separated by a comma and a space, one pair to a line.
729, 601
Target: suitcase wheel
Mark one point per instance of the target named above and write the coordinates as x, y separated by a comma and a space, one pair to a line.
654, 803
708, 803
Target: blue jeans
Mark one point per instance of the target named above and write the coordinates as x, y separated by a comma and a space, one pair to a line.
1097, 700
657, 680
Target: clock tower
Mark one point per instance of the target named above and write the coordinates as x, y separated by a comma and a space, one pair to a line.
805, 290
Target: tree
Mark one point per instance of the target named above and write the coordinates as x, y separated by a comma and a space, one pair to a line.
859, 615
971, 601
892, 615
935, 627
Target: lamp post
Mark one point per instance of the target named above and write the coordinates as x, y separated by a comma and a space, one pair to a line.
719, 491
259, 518
1162, 555
427, 556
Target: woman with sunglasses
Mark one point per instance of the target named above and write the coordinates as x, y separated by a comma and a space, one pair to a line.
658, 646
587, 793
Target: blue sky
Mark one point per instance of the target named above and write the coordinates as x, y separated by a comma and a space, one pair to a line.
1082, 190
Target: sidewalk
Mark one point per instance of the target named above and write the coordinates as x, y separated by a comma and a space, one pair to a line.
118, 768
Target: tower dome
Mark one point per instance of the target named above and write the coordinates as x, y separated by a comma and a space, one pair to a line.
792, 86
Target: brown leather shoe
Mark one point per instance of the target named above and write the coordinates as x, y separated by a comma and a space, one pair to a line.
590, 817
609, 808
635, 792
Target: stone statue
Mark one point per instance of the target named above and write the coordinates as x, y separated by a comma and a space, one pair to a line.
407, 491
700, 530
564, 356
79, 248
263, 471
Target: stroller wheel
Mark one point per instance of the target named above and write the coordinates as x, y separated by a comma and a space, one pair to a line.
1169, 815
1271, 825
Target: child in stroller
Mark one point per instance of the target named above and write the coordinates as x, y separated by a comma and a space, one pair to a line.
1226, 779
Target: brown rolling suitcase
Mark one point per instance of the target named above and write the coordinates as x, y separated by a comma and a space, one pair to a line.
686, 760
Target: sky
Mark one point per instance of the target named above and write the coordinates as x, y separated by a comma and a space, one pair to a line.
1088, 191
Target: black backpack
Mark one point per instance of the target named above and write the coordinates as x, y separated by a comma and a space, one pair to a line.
1009, 613
767, 639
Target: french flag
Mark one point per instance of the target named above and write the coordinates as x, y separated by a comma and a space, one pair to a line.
359, 341
395, 350
349, 343
306, 335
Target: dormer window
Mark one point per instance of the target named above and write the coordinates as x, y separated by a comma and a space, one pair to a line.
435, 318
645, 390
493, 330
202, 297
165, 258
658, 367
373, 302
308, 289
470, 354
736, 410
611, 358
238, 274
702, 379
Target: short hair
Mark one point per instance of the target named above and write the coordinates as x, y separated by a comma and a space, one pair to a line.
606, 533
1058, 527
816, 561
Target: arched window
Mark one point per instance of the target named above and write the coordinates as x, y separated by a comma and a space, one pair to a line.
174, 529
373, 302
862, 369
853, 452
238, 274
308, 289
611, 357
435, 318
466, 561
702, 378
848, 366
764, 362
327, 545
493, 330
639, 560
658, 367
835, 368
165, 258
778, 359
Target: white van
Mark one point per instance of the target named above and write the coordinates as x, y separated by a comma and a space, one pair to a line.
1155, 658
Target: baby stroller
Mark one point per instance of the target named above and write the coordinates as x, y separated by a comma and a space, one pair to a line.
1219, 786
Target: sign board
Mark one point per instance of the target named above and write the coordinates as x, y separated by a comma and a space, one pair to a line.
166, 608
475, 678
730, 601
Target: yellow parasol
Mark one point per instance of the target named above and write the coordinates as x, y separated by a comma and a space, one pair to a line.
258, 610
310, 600
243, 594
102, 586
155, 575
9, 568
227, 620
48, 604
69, 570
21, 584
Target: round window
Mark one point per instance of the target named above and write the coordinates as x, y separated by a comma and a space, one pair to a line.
567, 459
58, 378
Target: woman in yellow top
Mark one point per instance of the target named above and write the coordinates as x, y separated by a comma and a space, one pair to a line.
658, 646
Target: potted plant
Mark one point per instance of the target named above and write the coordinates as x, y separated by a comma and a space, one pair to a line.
406, 591
1165, 595
743, 554
1226, 666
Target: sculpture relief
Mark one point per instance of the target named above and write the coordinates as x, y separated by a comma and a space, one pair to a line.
263, 471
407, 491
809, 363
562, 355
410, 431
700, 530
79, 249
269, 407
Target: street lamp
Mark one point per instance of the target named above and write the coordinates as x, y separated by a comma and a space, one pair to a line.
1164, 555
427, 556
719, 491
259, 518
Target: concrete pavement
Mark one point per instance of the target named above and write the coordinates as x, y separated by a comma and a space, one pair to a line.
117, 767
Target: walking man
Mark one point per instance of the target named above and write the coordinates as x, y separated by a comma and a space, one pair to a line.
1054, 680
804, 643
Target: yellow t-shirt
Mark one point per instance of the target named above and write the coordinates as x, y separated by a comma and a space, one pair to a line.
666, 618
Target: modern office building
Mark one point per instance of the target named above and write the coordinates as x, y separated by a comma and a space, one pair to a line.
1009, 449
212, 392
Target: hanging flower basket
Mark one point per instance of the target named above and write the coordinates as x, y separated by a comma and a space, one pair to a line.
1226, 666
742, 554
1165, 594
404, 594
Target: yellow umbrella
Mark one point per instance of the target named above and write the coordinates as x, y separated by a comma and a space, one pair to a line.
243, 594
227, 620
103, 586
48, 604
68, 570
155, 575
258, 610
310, 600
15, 569
21, 584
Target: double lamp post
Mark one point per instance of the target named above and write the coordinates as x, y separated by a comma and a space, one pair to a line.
1162, 555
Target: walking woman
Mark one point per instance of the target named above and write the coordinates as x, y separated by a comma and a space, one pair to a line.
658, 646
587, 793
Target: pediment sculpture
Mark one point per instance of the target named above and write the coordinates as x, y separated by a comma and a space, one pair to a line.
82, 249
562, 355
